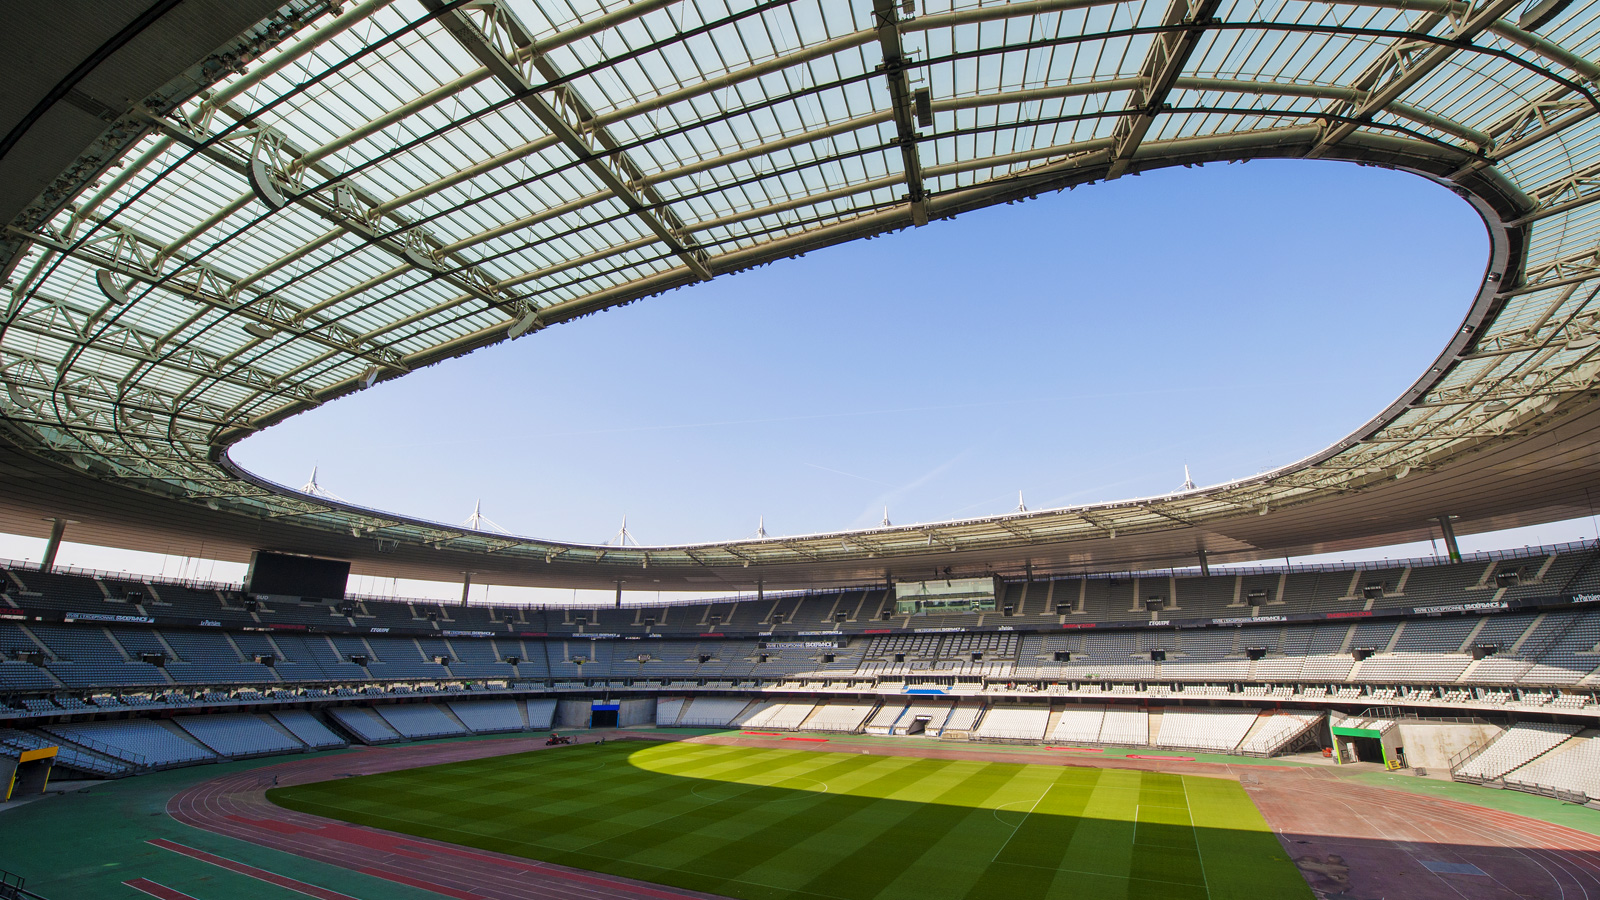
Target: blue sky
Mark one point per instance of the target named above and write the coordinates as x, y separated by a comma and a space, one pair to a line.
1081, 347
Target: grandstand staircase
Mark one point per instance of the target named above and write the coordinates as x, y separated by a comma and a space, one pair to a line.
1469, 753
1261, 722
1050, 724
450, 714
273, 723
1154, 717
1578, 575
172, 727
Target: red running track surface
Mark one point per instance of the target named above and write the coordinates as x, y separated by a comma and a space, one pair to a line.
146, 886
1351, 840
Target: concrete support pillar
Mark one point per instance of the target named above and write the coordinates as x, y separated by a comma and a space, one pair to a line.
1449, 539
57, 528
761, 590
466, 586
619, 593
1205, 564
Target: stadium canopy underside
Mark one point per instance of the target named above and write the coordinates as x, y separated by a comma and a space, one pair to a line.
225, 213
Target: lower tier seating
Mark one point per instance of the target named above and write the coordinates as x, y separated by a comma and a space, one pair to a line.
143, 742
1515, 747
239, 734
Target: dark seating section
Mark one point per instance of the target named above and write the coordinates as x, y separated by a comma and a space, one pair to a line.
668, 643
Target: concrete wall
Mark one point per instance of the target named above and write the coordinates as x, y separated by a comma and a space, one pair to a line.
573, 714
636, 712
1431, 744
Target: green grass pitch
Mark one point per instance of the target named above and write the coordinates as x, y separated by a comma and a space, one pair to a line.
776, 824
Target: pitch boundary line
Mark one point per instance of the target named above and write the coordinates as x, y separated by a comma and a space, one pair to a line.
1104, 875
1196, 832
1018, 827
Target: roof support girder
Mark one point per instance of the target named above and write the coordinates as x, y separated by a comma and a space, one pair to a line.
1406, 64
585, 141
1169, 52
886, 16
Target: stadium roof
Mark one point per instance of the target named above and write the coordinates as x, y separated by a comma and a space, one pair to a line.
226, 213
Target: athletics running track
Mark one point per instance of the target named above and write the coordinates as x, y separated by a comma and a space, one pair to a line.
1353, 841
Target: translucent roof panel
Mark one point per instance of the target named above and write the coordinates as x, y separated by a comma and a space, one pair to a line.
402, 181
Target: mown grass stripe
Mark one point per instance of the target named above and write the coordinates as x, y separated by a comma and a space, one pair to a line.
755, 824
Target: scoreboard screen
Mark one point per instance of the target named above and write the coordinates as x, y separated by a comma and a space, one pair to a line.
945, 596
296, 576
